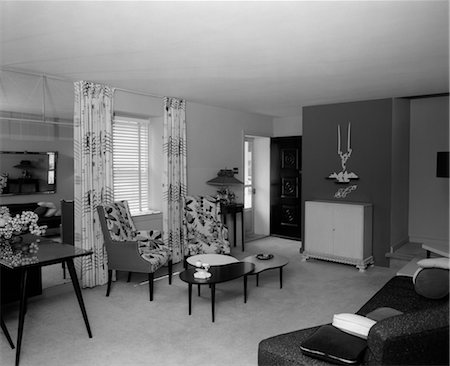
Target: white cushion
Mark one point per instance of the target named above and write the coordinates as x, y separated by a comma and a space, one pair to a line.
354, 324
50, 212
440, 262
47, 204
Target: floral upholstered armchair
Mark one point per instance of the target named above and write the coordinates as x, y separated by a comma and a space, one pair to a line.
203, 230
129, 249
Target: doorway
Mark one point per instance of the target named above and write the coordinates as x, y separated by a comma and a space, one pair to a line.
256, 186
285, 190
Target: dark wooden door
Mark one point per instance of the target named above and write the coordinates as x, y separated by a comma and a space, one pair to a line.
285, 187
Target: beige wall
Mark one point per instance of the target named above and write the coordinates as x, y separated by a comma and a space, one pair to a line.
288, 126
215, 141
21, 136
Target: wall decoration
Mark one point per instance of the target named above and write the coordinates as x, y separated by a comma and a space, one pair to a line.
343, 192
343, 176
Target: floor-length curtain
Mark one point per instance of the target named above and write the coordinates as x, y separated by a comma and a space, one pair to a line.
93, 174
174, 174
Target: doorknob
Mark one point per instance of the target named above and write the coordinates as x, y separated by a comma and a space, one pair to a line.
253, 190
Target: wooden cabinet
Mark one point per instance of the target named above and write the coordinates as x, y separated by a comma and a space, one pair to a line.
339, 232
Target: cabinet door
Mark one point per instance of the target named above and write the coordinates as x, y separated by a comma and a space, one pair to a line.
348, 231
318, 227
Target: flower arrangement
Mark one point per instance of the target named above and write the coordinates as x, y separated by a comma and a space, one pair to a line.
13, 249
3, 181
226, 196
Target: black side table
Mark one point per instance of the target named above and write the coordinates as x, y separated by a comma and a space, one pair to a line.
233, 209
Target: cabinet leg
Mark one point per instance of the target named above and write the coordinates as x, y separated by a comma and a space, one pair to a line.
362, 267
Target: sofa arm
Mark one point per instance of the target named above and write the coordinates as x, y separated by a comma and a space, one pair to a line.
416, 338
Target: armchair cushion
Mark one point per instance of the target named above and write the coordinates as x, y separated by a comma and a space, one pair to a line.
121, 229
204, 231
207, 246
120, 224
156, 256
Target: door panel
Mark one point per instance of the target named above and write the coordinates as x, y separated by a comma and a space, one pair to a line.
318, 227
285, 189
348, 229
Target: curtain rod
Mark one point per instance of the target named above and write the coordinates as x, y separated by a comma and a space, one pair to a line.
36, 74
42, 121
143, 93
71, 80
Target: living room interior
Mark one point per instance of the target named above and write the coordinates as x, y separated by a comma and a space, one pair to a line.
369, 78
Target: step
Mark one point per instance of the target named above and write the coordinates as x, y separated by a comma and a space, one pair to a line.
410, 268
401, 256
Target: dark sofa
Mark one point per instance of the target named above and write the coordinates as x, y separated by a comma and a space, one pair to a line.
420, 336
53, 222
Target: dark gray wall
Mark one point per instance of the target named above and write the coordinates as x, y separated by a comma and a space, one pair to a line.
371, 160
429, 195
400, 172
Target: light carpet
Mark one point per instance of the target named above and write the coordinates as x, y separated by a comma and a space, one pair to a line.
130, 330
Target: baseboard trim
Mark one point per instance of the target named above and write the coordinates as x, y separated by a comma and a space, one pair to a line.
396, 246
419, 239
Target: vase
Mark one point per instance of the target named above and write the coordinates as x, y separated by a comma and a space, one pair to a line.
19, 249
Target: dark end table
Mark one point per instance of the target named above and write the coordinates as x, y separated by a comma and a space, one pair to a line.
233, 209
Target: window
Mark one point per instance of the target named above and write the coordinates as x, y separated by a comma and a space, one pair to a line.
131, 171
248, 173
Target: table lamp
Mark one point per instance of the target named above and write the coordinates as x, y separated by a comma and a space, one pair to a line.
224, 179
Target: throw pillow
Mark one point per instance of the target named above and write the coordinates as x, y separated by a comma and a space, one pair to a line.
50, 212
382, 313
47, 204
354, 324
40, 211
333, 345
441, 262
431, 283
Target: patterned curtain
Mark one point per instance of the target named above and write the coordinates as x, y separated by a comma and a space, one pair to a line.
93, 174
174, 175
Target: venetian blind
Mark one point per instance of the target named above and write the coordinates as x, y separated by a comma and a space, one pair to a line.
131, 162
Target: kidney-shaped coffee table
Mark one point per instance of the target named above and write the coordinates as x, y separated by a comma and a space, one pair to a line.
219, 274
261, 265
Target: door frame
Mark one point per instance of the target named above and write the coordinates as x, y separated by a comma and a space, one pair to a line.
261, 174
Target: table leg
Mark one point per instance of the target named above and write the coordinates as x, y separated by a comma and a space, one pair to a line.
76, 287
198, 290
213, 299
190, 297
6, 333
281, 277
257, 279
22, 310
243, 229
245, 289
234, 227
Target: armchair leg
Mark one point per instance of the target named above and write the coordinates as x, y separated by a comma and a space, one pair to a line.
150, 285
170, 272
129, 277
108, 289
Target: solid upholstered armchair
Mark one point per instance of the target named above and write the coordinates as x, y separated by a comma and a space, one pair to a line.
131, 250
204, 231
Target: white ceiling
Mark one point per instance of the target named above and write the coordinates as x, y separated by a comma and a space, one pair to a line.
270, 58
